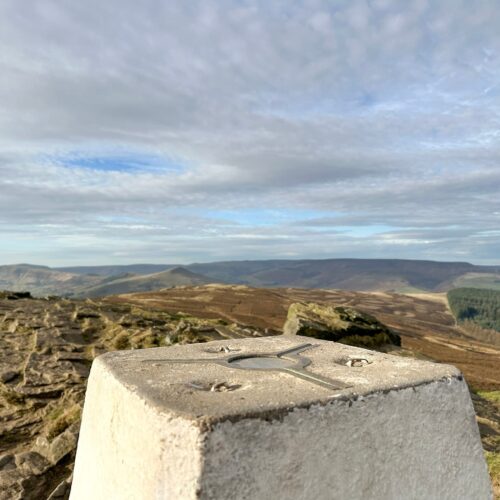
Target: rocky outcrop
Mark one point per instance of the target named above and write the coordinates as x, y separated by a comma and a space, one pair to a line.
15, 295
339, 324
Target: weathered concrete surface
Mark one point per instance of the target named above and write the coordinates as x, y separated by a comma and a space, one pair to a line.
156, 429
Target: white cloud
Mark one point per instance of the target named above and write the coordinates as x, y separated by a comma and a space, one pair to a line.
380, 112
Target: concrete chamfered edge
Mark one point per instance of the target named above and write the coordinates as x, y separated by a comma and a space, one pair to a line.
187, 380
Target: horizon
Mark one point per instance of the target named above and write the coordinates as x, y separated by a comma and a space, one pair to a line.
218, 131
187, 264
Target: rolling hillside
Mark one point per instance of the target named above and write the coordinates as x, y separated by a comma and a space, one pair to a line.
117, 270
41, 280
177, 276
403, 276
345, 274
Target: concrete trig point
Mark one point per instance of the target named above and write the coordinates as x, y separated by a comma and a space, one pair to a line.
276, 418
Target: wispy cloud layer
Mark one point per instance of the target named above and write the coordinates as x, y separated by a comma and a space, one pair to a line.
193, 131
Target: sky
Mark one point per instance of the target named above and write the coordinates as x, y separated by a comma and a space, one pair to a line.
196, 131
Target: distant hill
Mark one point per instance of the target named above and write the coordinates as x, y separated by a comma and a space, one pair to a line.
490, 281
117, 270
41, 280
394, 275
347, 274
178, 276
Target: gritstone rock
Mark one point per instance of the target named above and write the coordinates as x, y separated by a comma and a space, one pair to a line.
338, 324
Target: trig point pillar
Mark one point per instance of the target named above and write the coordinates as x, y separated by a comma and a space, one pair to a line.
276, 418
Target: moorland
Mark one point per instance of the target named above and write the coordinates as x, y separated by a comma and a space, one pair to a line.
47, 346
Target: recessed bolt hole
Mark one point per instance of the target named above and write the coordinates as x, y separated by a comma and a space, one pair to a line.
213, 386
223, 348
357, 362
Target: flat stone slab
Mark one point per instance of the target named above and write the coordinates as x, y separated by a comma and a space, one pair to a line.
276, 417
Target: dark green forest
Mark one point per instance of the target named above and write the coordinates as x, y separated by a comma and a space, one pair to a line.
482, 307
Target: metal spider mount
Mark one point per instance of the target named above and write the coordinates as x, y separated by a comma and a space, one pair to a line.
288, 361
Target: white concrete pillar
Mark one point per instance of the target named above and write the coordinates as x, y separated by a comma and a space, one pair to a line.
321, 421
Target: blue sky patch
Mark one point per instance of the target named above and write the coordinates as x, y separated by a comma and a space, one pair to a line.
123, 162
